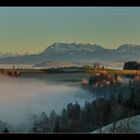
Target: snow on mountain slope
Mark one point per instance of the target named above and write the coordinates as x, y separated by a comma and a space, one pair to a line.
130, 125
129, 48
61, 48
78, 53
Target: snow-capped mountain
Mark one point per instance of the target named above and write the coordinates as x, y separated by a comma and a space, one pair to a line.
77, 53
73, 48
129, 48
4, 55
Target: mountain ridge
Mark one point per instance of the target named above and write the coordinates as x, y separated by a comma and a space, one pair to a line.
77, 52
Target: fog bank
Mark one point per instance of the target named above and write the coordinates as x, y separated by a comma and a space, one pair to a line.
20, 98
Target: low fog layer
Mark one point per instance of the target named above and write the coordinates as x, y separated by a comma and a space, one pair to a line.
19, 98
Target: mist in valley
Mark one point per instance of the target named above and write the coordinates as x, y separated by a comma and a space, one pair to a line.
21, 98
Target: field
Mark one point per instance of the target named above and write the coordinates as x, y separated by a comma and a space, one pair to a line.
111, 71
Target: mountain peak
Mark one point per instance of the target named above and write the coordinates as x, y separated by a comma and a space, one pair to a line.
61, 48
131, 48
127, 47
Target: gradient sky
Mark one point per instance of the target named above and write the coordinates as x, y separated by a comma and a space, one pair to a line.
32, 29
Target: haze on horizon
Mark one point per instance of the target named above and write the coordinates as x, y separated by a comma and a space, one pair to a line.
32, 29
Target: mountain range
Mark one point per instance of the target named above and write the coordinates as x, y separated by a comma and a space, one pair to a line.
74, 52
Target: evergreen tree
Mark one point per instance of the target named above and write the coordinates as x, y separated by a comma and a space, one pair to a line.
5, 130
130, 84
57, 126
90, 81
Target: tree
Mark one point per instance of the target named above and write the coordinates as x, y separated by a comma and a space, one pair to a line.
120, 98
64, 120
112, 98
57, 126
116, 77
131, 100
52, 120
41, 124
90, 81
130, 84
77, 111
116, 114
100, 113
5, 130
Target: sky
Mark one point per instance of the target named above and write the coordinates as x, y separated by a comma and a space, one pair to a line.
32, 29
